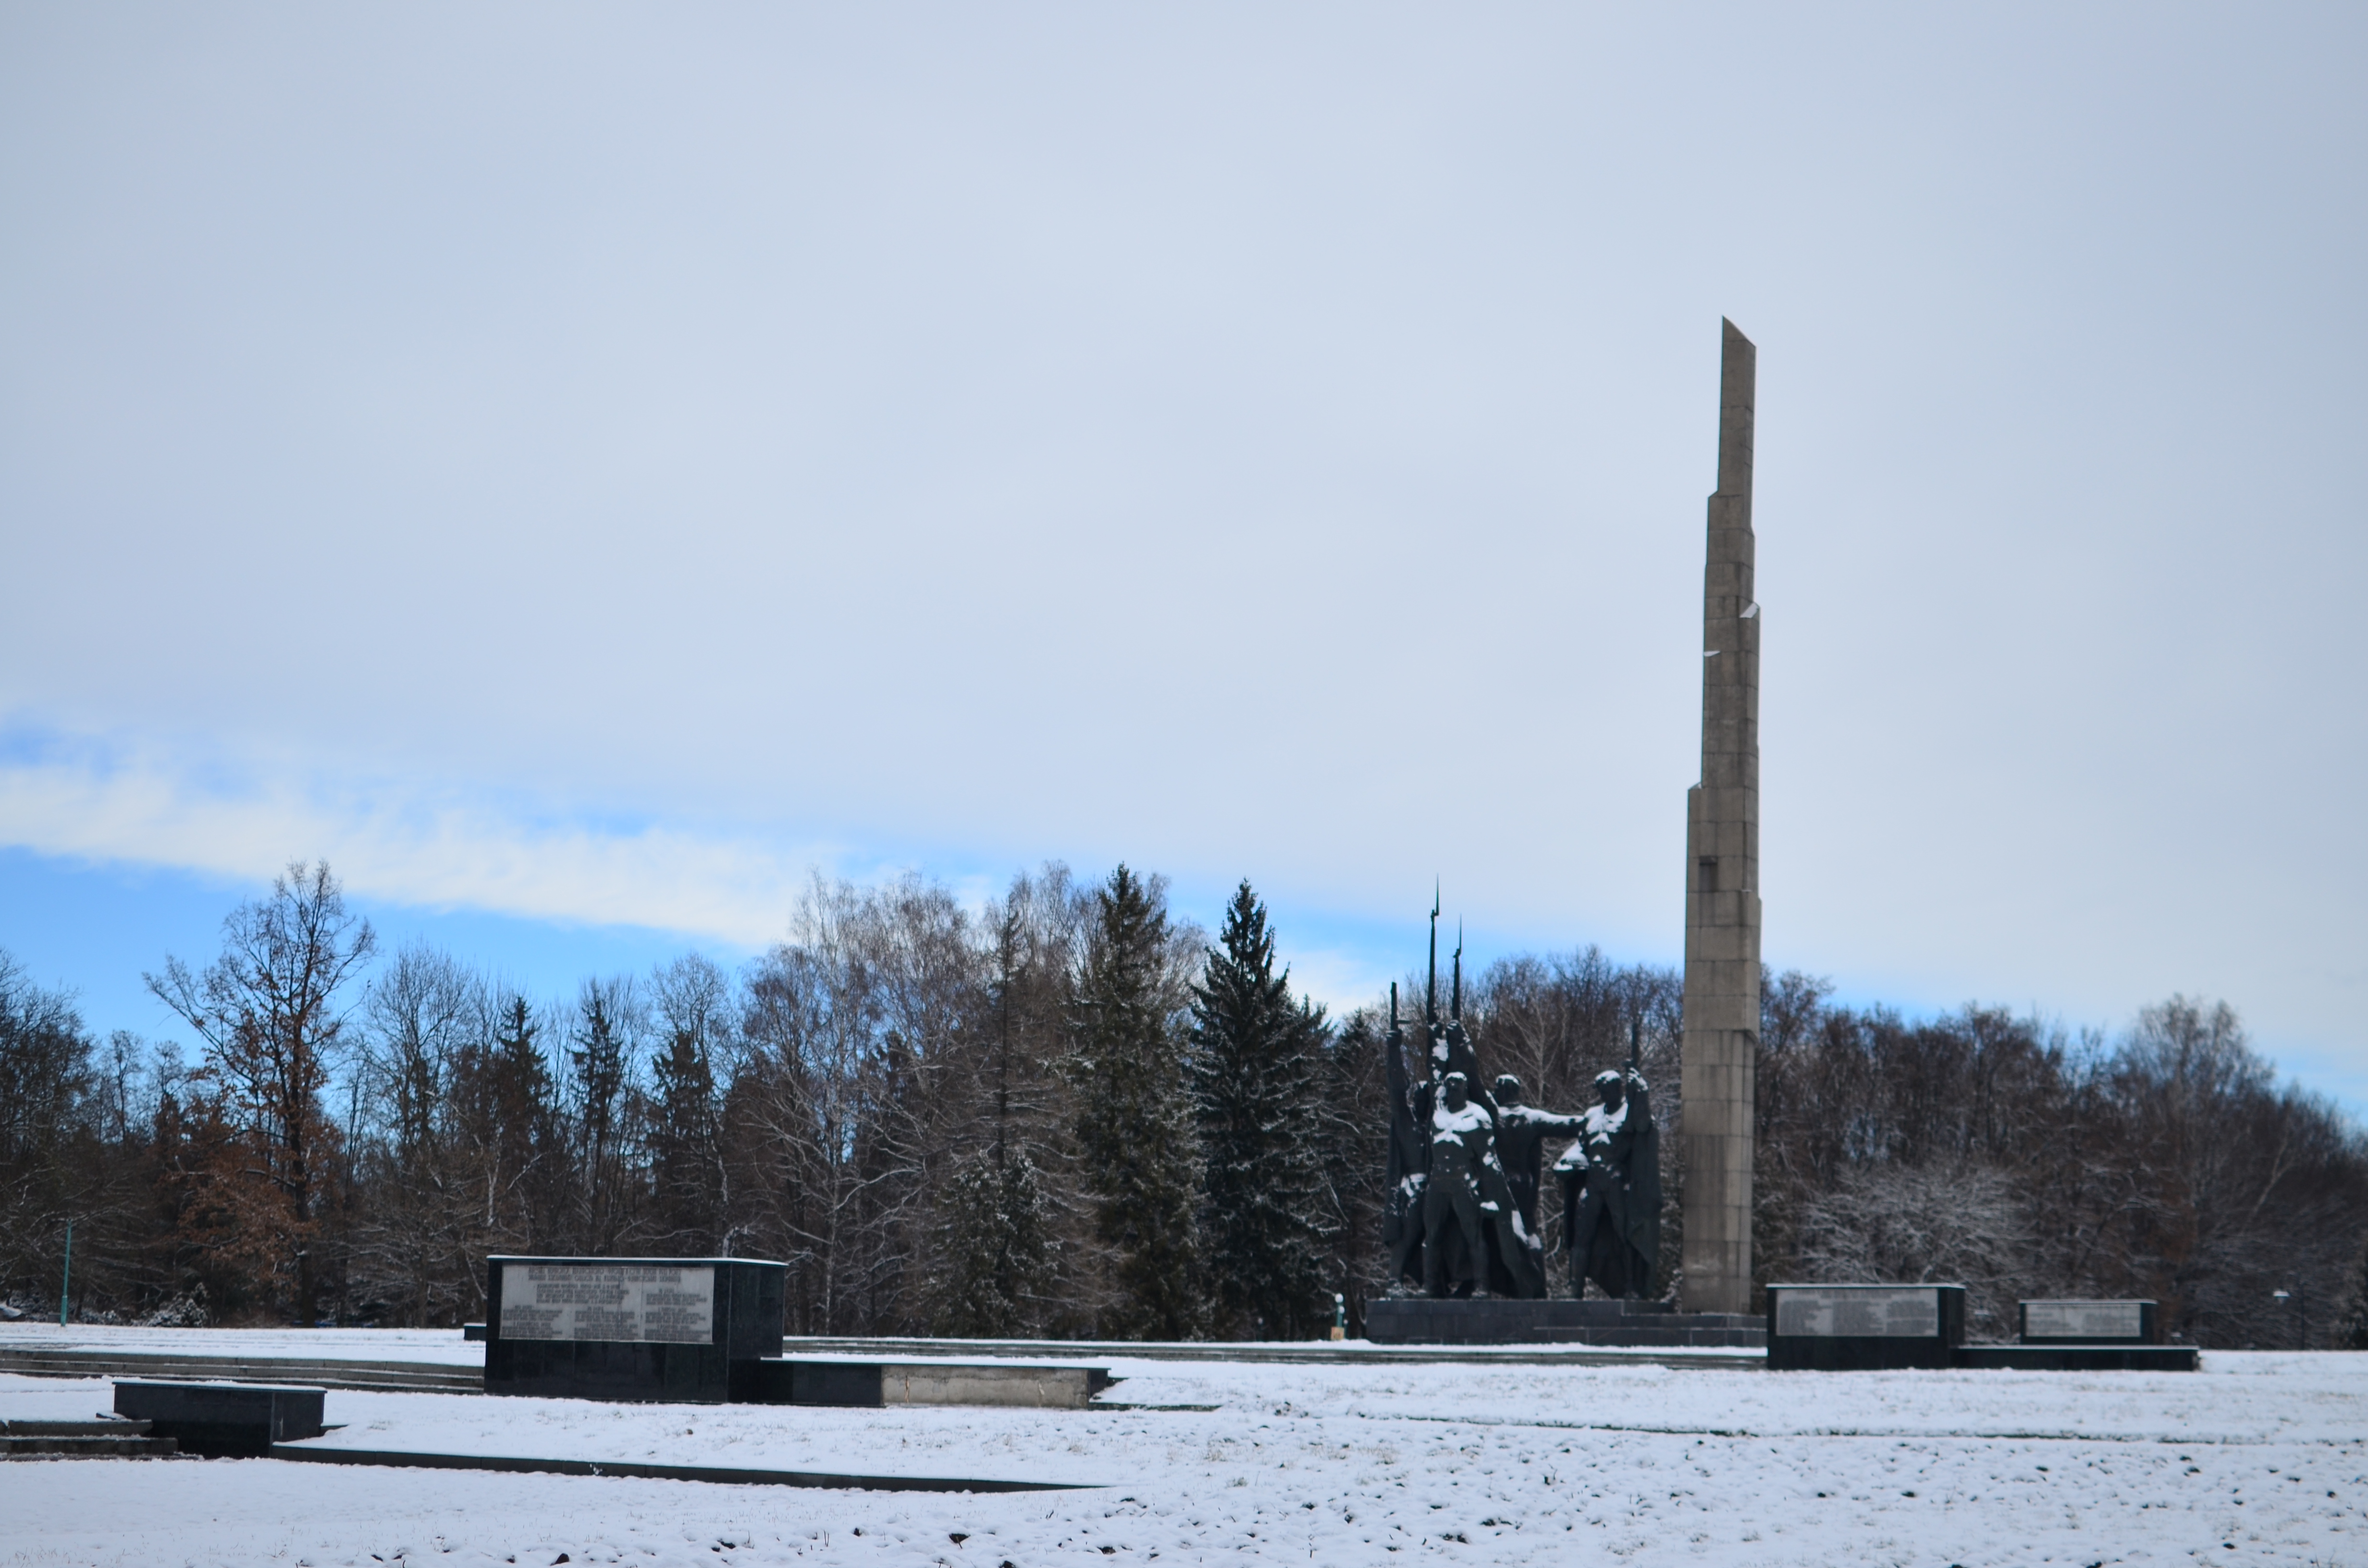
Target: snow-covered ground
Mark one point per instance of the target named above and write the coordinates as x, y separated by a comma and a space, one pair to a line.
2258, 1458
441, 1344
446, 1346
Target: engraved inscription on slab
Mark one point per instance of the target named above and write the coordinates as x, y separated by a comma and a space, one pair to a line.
609, 1302
2082, 1320
1908, 1312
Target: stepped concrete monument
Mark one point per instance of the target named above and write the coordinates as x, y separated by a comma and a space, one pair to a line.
1722, 997
1460, 1219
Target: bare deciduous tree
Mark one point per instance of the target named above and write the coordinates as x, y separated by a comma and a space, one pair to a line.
421, 1016
976, 1119
271, 1011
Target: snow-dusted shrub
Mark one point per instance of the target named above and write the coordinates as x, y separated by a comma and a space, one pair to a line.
187, 1310
1953, 1223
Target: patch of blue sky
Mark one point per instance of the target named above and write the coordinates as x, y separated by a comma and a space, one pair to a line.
93, 928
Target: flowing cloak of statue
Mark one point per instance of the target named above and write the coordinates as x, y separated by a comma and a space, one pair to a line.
1612, 1196
1409, 1165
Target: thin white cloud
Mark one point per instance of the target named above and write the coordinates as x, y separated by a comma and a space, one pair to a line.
1340, 980
404, 841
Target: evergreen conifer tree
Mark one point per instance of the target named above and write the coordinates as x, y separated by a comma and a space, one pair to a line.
997, 1244
600, 1071
1351, 1100
2351, 1332
1138, 1158
1253, 1077
694, 1004
529, 1161
682, 1143
995, 1240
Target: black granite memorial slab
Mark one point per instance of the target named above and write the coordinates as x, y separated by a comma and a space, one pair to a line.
2086, 1323
221, 1418
1857, 1328
857, 1384
927, 1379
632, 1329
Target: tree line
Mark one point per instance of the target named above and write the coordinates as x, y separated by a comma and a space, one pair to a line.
1070, 1113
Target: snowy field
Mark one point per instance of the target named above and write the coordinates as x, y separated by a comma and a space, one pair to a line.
440, 1345
446, 1346
2260, 1457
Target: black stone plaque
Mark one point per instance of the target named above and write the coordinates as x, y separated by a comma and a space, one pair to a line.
223, 1418
1849, 1328
860, 1383
2086, 1322
643, 1329
922, 1380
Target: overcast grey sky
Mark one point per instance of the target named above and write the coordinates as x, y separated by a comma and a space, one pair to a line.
592, 463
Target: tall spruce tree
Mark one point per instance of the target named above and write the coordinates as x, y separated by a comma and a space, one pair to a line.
1254, 1065
600, 1065
1351, 1100
531, 1159
1138, 1158
2351, 1329
996, 1243
685, 1138
682, 1144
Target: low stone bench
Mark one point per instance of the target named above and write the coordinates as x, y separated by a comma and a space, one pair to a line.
223, 1418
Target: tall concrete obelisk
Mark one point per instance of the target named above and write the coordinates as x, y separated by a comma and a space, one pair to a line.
1722, 1004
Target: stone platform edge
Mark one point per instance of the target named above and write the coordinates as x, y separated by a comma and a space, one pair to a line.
1423, 1320
1349, 1352
2060, 1357
437, 1377
406, 1459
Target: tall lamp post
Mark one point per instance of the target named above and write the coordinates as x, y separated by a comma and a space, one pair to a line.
2302, 1314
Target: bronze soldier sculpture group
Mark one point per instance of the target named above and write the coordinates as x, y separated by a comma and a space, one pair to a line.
1465, 1169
